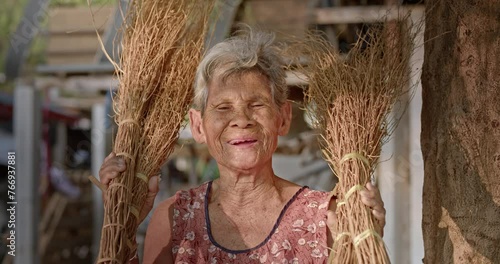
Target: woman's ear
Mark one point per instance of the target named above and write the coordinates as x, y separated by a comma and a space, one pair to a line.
286, 118
195, 123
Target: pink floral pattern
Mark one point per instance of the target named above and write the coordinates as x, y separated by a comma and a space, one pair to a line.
300, 236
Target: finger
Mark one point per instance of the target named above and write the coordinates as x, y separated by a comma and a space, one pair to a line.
370, 191
373, 203
153, 187
111, 155
111, 159
370, 186
367, 194
379, 215
153, 184
370, 202
109, 174
379, 226
331, 218
111, 169
118, 162
378, 206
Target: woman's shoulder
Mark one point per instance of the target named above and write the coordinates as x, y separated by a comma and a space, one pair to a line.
305, 190
312, 200
188, 195
315, 194
182, 197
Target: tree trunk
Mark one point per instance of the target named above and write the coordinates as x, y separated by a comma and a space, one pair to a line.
461, 132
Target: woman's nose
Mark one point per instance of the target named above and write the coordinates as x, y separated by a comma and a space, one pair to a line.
242, 118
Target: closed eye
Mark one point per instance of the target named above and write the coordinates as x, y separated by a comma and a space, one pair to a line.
223, 108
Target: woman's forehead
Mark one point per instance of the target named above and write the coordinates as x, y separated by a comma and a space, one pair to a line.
245, 84
223, 75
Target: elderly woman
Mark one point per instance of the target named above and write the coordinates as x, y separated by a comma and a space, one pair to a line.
249, 214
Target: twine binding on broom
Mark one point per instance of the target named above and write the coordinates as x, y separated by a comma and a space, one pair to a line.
125, 155
115, 225
339, 236
355, 155
365, 235
142, 176
129, 121
134, 211
351, 191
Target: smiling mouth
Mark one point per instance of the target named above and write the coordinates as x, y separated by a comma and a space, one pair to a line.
238, 142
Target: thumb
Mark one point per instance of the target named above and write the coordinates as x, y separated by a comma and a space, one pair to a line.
153, 187
331, 222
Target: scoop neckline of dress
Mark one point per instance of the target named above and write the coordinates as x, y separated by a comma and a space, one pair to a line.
273, 230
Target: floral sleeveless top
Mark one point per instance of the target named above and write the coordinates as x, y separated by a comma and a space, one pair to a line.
298, 236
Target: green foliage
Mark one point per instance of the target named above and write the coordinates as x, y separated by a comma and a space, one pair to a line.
10, 15
11, 12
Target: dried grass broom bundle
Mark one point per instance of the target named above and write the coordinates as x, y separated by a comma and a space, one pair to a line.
351, 98
161, 47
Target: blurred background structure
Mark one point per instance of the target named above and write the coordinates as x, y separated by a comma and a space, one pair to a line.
56, 114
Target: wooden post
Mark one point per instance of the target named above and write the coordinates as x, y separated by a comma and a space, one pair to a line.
60, 145
99, 152
461, 132
415, 152
27, 131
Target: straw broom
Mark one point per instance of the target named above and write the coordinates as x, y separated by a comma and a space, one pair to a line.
161, 48
351, 98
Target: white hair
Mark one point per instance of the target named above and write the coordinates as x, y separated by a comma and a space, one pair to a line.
250, 50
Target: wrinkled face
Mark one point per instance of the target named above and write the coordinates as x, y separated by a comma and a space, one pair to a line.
241, 123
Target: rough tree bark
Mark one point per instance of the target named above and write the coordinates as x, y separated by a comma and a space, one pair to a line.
461, 132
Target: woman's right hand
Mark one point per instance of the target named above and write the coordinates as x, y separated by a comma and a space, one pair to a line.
113, 166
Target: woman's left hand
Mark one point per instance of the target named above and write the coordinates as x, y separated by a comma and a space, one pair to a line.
370, 196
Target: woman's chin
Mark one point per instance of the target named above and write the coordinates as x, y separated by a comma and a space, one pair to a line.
244, 160
246, 164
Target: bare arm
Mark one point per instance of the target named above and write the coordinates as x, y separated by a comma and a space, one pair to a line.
158, 244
